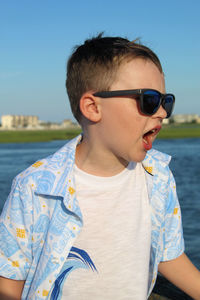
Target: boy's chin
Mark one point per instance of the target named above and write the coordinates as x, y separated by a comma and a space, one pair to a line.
135, 159
140, 158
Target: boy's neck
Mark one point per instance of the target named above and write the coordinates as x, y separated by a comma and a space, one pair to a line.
93, 160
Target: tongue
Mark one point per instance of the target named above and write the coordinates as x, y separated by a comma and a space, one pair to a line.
147, 142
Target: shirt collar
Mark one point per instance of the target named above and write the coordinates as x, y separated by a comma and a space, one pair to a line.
154, 160
57, 170
60, 166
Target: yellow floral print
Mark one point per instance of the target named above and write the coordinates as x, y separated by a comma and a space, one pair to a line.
21, 233
37, 164
149, 169
175, 210
71, 190
45, 293
15, 264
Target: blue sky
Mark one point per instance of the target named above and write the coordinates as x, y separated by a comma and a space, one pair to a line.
36, 38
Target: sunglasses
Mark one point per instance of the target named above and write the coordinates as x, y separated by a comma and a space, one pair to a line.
149, 100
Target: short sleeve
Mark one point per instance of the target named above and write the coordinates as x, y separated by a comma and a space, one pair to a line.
15, 233
172, 229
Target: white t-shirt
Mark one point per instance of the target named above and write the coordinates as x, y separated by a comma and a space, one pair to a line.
110, 258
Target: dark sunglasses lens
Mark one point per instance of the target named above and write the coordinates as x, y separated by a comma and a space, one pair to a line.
168, 104
151, 102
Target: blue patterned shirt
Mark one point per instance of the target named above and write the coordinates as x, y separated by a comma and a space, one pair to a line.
41, 220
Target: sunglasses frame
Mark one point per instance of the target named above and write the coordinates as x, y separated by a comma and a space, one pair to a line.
138, 92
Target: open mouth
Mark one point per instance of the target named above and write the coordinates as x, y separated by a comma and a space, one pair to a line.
149, 137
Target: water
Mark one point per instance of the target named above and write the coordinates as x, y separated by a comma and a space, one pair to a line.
185, 166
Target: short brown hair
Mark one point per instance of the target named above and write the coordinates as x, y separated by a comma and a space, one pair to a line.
93, 65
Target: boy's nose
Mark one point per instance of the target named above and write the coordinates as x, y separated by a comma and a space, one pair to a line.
161, 113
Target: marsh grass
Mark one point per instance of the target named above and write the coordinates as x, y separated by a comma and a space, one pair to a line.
24, 136
180, 131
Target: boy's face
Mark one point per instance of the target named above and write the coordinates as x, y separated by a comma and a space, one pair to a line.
127, 133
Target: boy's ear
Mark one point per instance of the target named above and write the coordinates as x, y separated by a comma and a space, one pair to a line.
90, 107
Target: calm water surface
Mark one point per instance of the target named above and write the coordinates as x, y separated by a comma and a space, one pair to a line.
185, 166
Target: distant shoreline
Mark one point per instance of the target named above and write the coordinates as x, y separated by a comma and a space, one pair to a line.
180, 131
31, 136
174, 131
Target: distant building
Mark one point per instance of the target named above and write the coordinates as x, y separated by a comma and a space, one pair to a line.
49, 125
184, 118
18, 121
14, 122
69, 124
165, 121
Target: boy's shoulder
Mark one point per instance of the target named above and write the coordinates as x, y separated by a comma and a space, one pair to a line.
44, 172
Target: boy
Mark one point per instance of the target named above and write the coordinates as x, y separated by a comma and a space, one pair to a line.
100, 217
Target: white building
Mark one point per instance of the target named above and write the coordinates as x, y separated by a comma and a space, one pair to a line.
184, 118
16, 121
69, 124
